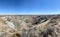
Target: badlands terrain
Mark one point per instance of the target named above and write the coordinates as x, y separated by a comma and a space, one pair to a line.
30, 26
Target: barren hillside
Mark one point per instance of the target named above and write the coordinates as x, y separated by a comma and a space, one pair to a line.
30, 26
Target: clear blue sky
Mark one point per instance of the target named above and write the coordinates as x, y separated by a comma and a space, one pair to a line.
30, 6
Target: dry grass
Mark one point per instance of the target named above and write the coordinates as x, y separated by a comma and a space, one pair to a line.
30, 26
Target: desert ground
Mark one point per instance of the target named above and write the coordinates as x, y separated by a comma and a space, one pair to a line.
29, 25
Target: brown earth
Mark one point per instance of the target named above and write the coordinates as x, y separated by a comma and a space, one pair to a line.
30, 26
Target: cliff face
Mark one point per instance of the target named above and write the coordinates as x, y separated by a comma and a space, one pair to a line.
30, 26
